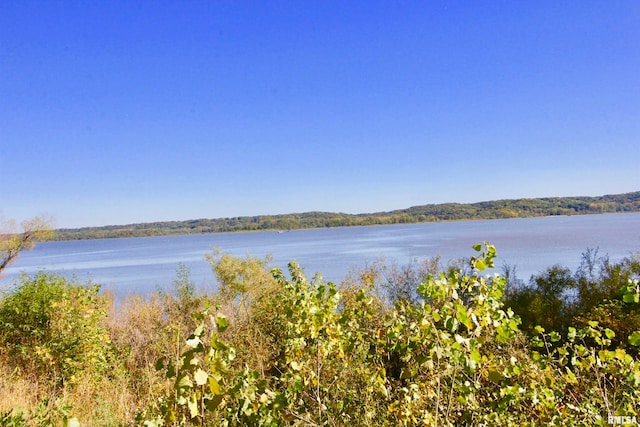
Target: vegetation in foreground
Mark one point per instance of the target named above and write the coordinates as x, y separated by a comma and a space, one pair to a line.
518, 208
393, 345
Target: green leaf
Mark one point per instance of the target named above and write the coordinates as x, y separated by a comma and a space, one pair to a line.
217, 344
212, 403
477, 247
184, 382
160, 364
634, 338
631, 292
199, 330
221, 323
193, 341
503, 335
570, 377
463, 316
193, 406
214, 386
171, 371
451, 324
495, 376
200, 377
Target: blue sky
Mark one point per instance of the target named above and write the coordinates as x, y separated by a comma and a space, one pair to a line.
115, 112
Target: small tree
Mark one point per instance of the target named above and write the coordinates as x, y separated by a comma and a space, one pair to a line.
249, 296
548, 300
11, 242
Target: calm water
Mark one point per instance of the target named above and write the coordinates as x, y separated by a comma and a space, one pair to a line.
145, 264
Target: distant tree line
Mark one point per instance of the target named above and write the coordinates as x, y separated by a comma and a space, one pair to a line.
516, 208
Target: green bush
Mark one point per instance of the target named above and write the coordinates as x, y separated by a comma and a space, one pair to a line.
273, 348
455, 358
53, 328
46, 414
557, 299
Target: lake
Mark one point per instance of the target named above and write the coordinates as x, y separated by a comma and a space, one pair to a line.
144, 264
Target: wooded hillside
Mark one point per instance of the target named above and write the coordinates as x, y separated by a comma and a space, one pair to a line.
514, 208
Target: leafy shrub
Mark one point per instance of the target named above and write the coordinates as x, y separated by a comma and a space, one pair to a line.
251, 298
46, 414
456, 358
275, 349
557, 298
53, 329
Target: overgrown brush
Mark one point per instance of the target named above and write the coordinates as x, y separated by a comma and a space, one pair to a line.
455, 358
52, 330
52, 339
271, 348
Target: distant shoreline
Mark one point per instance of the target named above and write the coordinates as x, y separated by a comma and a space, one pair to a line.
496, 209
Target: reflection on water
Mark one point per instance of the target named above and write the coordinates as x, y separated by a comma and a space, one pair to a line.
147, 263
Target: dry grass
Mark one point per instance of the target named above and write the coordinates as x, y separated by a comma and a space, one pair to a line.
16, 391
138, 329
103, 402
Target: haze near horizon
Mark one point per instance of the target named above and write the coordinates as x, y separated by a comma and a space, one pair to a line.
119, 113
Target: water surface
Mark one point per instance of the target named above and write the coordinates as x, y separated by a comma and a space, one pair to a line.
144, 264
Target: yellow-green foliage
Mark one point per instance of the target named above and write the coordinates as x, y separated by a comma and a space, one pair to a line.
52, 339
12, 242
53, 328
273, 348
456, 358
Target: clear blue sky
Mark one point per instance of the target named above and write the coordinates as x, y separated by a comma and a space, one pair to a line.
115, 112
